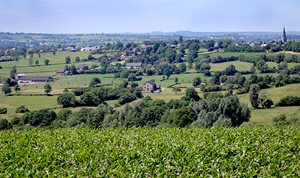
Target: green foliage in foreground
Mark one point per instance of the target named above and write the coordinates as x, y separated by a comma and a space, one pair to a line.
215, 152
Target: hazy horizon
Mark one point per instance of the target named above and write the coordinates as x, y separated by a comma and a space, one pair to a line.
146, 16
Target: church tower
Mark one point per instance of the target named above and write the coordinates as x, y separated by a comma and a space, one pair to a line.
284, 38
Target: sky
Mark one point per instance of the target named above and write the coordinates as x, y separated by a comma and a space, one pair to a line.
140, 16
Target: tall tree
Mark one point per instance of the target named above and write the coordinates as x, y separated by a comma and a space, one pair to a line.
47, 88
254, 95
17, 88
46, 61
68, 60
5, 89
94, 82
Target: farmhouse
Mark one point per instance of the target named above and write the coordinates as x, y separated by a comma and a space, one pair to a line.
83, 67
62, 72
137, 65
28, 79
151, 86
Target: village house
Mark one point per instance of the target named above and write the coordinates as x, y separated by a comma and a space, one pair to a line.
90, 48
137, 65
151, 86
70, 49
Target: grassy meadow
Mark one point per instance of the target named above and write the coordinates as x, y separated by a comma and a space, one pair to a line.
240, 66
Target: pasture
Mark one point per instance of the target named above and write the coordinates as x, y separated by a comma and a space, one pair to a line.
240, 66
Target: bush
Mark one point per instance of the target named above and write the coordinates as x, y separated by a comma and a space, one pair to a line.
4, 124
126, 98
3, 110
22, 109
217, 111
280, 120
43, 117
289, 101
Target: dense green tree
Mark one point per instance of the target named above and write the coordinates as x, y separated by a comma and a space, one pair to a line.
77, 59
124, 74
22, 109
126, 98
66, 99
170, 55
176, 90
47, 88
17, 88
191, 93
64, 114
68, 60
6, 89
37, 62
182, 67
184, 116
230, 70
197, 81
42, 117
46, 62
73, 70
90, 99
95, 82
4, 124
266, 102
176, 80
30, 61
254, 95
13, 72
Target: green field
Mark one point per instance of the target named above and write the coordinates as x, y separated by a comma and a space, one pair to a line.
265, 116
151, 152
240, 66
249, 54
276, 93
57, 62
274, 64
31, 102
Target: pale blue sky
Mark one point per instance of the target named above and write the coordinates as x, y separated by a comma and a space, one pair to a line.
117, 16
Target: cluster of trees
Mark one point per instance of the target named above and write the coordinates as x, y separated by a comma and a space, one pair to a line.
284, 120
95, 96
219, 81
292, 46
214, 110
289, 101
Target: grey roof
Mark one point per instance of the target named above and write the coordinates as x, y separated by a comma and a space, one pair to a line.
45, 78
60, 71
136, 64
152, 82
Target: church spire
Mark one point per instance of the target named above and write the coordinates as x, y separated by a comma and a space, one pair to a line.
284, 38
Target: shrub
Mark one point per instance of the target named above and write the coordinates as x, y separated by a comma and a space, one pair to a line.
126, 98
3, 110
289, 101
22, 109
280, 120
4, 124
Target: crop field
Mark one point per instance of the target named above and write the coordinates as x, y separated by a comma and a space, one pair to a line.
151, 152
240, 66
